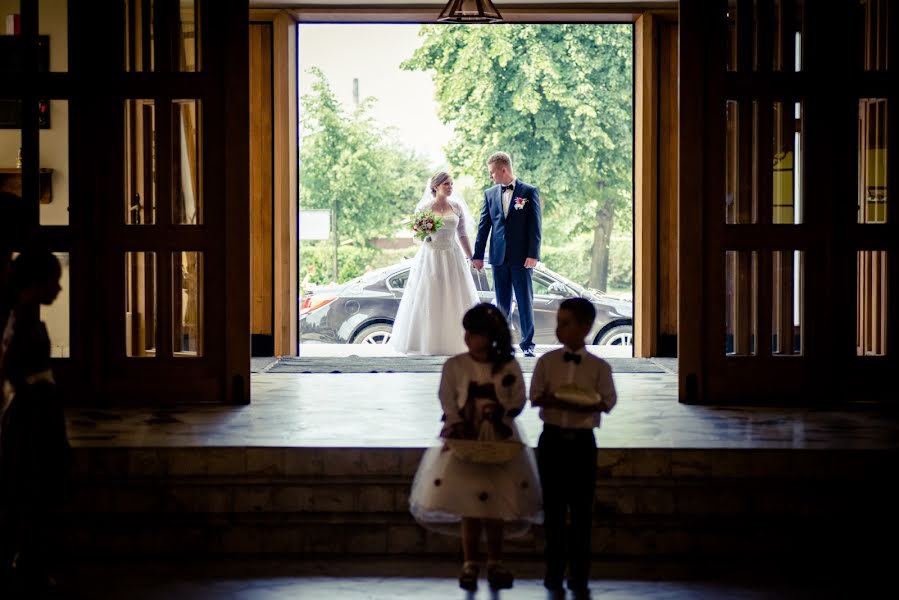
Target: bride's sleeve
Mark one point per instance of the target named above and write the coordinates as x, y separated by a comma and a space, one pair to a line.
461, 226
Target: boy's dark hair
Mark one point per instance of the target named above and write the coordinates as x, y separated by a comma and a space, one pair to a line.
581, 309
487, 320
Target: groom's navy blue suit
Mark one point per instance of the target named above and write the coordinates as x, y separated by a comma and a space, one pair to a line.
514, 238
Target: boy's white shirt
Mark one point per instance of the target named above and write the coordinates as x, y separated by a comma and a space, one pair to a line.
592, 373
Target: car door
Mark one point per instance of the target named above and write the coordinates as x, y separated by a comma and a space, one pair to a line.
483, 283
548, 295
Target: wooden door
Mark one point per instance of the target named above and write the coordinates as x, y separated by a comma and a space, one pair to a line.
781, 276
161, 147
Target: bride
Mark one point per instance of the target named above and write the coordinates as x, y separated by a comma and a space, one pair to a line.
440, 288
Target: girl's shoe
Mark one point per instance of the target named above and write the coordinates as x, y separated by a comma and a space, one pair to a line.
499, 577
468, 578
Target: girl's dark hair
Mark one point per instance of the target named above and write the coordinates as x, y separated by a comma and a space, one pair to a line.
487, 320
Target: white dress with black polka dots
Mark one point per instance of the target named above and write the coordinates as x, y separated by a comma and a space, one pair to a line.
445, 488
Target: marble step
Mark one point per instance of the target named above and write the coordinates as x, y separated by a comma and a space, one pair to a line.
393, 534
659, 496
100, 463
650, 503
352, 480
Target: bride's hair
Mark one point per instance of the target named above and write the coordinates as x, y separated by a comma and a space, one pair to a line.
456, 202
436, 180
487, 320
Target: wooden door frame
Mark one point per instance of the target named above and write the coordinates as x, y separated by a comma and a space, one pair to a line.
691, 149
646, 135
284, 233
655, 160
261, 198
646, 232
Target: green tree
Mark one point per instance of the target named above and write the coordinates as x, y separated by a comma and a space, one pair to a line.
356, 168
558, 98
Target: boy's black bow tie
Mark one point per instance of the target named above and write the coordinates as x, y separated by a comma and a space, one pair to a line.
507, 187
571, 356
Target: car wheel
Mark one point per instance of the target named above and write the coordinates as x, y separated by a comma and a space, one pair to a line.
378, 333
620, 335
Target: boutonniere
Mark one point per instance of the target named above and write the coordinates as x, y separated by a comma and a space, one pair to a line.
520, 202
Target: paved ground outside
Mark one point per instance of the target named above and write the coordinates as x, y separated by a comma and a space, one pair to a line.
308, 349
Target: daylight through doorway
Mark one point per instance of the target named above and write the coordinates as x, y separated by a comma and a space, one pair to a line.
383, 107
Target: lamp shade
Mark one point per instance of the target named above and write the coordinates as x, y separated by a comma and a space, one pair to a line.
469, 11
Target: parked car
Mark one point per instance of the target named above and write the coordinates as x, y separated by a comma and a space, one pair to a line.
362, 311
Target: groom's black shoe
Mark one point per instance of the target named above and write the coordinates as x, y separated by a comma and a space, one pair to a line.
529, 352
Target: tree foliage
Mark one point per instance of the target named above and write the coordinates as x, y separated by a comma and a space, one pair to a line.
350, 164
558, 98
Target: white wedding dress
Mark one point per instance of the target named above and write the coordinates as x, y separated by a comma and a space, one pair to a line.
438, 293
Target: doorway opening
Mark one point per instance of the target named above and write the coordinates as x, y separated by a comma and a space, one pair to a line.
382, 107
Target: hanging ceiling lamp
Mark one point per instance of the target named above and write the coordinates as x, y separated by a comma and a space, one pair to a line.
469, 11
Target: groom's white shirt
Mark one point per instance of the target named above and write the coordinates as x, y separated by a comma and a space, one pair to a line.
507, 198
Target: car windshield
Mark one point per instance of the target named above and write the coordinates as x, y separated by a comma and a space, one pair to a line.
373, 275
575, 286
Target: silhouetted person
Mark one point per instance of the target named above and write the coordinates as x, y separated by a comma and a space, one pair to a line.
572, 388
481, 392
34, 448
13, 220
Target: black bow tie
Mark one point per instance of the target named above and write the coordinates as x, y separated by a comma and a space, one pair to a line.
511, 186
571, 356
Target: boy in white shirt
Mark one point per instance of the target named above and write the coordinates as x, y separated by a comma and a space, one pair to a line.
571, 387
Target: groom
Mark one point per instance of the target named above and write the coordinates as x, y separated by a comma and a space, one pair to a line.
512, 211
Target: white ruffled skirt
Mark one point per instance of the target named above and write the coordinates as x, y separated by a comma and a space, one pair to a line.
446, 489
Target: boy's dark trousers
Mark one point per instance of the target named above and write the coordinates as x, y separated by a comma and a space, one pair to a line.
566, 459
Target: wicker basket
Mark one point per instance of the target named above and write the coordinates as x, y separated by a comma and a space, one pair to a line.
489, 453
575, 395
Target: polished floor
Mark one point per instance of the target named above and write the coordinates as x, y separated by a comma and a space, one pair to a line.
400, 410
404, 580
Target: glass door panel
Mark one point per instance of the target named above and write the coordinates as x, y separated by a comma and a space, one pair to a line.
140, 162
140, 304
187, 303
187, 200
872, 303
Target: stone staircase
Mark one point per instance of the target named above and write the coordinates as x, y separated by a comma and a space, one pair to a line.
699, 506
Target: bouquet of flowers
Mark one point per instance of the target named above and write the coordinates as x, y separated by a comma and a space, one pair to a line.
424, 223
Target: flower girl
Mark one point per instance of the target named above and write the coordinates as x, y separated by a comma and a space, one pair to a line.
482, 475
